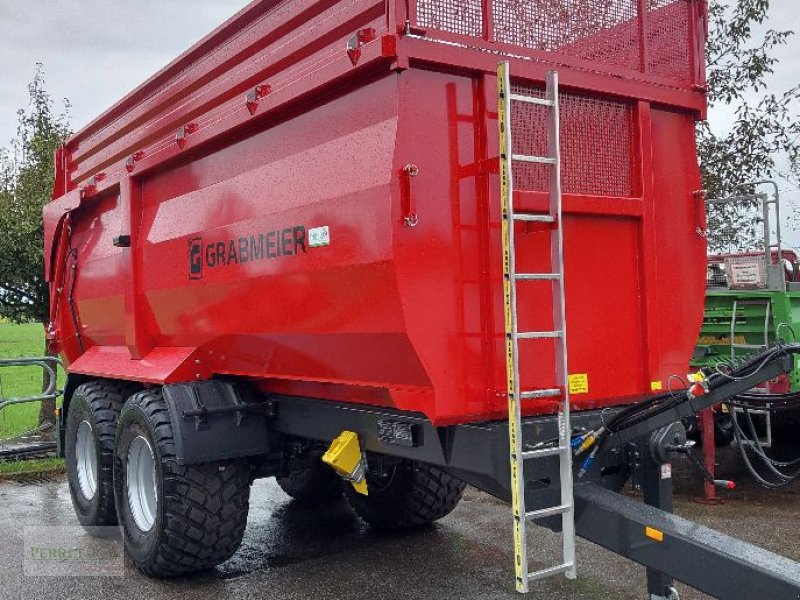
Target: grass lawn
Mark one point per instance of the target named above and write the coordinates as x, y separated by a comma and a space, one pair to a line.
19, 469
17, 341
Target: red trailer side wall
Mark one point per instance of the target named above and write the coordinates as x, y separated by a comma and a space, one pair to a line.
220, 278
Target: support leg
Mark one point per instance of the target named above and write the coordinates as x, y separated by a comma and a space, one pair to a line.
709, 456
657, 489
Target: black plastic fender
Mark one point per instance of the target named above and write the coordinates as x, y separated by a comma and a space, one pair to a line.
216, 420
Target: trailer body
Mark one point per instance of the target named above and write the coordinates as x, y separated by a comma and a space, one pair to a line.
308, 199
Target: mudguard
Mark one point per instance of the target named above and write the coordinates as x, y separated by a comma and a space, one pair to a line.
216, 420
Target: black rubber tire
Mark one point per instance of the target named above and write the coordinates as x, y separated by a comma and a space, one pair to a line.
99, 403
316, 485
201, 509
412, 495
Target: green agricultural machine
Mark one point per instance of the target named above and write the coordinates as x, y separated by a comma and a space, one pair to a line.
739, 322
752, 303
753, 298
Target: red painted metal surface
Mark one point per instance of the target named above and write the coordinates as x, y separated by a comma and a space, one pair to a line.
366, 117
709, 456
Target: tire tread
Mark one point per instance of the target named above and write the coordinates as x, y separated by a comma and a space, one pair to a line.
423, 494
104, 399
205, 505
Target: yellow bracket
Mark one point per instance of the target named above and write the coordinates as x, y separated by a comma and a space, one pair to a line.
344, 456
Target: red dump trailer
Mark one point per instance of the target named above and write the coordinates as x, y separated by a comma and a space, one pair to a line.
294, 231
299, 117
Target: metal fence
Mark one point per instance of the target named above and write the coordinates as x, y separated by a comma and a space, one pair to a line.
18, 445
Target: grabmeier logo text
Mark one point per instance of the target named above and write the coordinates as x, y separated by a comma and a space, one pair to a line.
290, 241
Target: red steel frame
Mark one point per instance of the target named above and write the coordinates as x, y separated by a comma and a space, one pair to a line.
391, 315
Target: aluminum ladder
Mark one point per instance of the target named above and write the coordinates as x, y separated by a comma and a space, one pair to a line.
520, 458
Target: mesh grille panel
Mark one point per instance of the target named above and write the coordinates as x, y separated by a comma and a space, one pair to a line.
667, 35
455, 16
607, 31
596, 142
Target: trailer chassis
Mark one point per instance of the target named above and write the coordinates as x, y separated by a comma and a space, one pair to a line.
647, 533
670, 547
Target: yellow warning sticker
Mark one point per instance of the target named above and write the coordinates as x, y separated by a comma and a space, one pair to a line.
579, 383
656, 385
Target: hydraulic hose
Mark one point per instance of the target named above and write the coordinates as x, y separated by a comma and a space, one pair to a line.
714, 380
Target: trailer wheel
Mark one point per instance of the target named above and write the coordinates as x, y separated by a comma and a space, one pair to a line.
176, 519
409, 494
315, 485
89, 449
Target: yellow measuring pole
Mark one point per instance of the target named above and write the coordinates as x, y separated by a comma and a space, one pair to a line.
515, 445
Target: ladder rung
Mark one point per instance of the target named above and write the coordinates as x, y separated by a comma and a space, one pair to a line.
534, 218
538, 276
531, 100
546, 393
533, 335
544, 573
543, 513
543, 452
542, 160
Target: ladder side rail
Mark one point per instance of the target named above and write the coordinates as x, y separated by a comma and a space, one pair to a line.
560, 322
512, 349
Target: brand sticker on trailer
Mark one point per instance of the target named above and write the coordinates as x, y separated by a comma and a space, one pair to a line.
319, 236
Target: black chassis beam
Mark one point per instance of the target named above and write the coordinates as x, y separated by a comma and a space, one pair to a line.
709, 561
478, 453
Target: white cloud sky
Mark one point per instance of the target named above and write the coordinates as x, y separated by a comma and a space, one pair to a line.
95, 51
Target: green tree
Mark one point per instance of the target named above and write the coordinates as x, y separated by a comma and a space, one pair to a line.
766, 123
26, 182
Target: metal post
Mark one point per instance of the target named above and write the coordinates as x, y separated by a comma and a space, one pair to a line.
657, 489
709, 456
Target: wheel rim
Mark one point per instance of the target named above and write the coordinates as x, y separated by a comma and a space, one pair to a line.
86, 460
141, 483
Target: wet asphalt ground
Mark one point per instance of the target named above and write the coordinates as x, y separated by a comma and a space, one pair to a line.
292, 552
